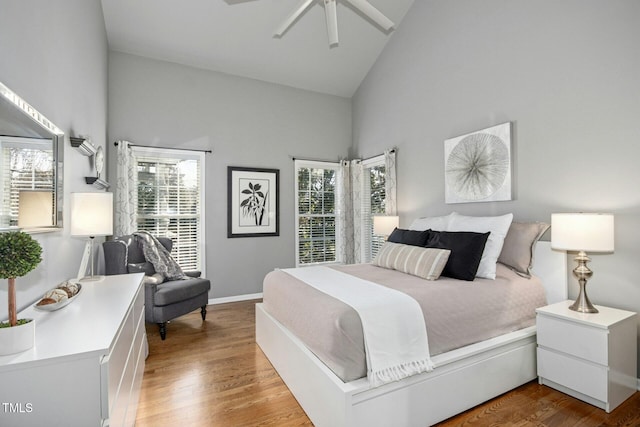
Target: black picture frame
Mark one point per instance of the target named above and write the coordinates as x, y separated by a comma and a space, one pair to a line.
253, 202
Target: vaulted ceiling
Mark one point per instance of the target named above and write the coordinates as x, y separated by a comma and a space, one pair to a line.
237, 37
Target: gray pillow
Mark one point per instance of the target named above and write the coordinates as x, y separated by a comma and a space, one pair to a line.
519, 245
141, 267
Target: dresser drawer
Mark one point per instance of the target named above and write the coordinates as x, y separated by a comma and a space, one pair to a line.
573, 338
579, 375
138, 305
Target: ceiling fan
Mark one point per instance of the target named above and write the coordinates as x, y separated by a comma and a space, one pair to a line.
332, 18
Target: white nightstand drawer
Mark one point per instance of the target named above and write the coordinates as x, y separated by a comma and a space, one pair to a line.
573, 338
576, 374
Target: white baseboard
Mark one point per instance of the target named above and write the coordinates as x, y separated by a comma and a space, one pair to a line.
236, 298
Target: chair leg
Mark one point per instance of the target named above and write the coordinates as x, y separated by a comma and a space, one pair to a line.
163, 330
203, 312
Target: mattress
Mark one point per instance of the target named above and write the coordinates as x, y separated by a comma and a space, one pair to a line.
457, 313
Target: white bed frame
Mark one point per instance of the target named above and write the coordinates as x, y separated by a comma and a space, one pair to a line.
463, 378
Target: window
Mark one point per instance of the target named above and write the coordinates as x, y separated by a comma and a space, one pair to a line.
373, 203
170, 200
27, 165
316, 186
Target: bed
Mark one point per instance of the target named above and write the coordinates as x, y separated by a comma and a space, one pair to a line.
463, 377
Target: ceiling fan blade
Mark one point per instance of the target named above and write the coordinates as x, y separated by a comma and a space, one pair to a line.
372, 13
304, 6
332, 21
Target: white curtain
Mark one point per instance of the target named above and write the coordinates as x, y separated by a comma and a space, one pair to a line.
357, 175
390, 182
350, 205
345, 242
125, 190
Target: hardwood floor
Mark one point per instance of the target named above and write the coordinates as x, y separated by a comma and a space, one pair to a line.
214, 374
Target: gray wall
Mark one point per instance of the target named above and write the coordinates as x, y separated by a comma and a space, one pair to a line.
246, 123
564, 72
54, 55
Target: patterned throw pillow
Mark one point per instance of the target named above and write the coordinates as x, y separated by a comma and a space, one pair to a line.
427, 263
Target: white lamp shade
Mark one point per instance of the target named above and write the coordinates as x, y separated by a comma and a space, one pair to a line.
35, 209
91, 214
589, 232
384, 225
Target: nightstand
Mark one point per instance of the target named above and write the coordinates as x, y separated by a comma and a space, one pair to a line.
592, 357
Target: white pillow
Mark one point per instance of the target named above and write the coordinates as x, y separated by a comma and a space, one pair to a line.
437, 223
498, 226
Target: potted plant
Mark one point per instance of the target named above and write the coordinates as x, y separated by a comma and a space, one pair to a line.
19, 254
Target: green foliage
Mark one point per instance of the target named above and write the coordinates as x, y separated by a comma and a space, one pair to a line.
18, 323
19, 254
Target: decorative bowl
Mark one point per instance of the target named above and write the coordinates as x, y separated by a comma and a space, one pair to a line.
58, 305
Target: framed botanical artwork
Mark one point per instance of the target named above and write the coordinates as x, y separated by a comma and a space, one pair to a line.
252, 202
478, 166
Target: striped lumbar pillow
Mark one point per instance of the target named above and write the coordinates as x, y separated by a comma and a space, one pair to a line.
427, 263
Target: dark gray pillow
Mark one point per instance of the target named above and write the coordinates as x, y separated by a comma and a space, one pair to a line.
408, 237
466, 251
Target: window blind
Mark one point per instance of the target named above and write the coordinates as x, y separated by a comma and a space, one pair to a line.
316, 212
169, 201
23, 167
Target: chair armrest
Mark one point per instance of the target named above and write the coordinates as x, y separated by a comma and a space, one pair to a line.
150, 290
192, 273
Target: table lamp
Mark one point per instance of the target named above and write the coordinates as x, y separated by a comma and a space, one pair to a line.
582, 232
91, 216
35, 208
384, 225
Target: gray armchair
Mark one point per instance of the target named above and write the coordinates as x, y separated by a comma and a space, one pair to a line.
163, 301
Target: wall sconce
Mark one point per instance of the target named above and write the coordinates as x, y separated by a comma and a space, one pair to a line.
86, 148
97, 182
83, 145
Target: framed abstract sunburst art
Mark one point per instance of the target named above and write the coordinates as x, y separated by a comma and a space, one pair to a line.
478, 166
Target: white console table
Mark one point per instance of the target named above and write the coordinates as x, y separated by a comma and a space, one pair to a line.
87, 363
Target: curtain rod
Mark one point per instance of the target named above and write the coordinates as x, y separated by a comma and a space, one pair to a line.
294, 158
167, 148
393, 150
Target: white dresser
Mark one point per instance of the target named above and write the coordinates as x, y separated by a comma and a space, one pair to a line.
87, 363
589, 356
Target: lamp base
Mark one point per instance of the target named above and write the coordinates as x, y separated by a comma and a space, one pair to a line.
582, 273
582, 304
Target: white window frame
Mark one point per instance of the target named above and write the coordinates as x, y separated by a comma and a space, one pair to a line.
299, 164
142, 152
366, 226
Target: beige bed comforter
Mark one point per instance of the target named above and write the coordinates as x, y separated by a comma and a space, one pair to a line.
457, 313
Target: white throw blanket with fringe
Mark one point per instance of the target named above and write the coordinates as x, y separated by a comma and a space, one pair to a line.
395, 336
